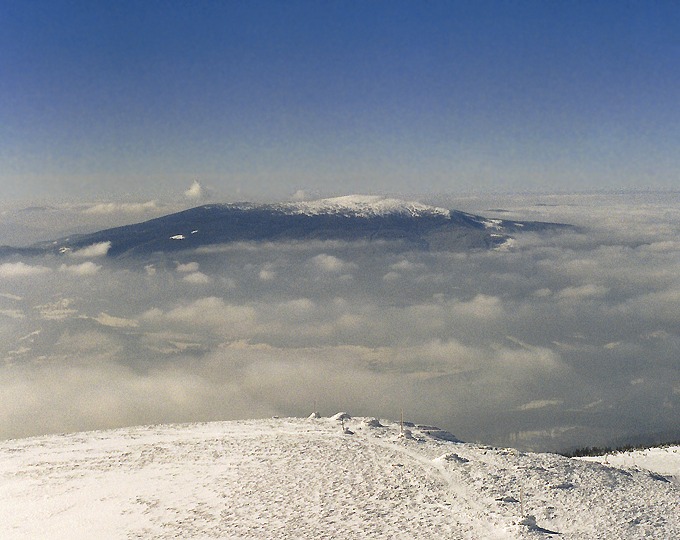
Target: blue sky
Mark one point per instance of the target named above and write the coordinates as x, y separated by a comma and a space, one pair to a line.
258, 99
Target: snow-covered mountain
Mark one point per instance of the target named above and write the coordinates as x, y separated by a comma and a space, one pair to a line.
365, 206
354, 217
318, 478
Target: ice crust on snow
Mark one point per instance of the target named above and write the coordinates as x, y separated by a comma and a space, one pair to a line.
304, 478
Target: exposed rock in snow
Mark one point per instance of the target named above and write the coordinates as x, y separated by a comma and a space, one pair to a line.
452, 456
437, 433
530, 523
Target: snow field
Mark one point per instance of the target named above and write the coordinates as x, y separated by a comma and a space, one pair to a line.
306, 478
664, 461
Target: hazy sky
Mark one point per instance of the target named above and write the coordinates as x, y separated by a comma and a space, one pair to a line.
262, 98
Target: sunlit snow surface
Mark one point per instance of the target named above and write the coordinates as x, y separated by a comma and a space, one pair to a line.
295, 478
364, 206
664, 461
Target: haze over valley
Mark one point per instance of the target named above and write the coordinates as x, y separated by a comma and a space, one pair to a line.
550, 340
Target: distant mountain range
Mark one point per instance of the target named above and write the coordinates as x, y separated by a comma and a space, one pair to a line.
350, 218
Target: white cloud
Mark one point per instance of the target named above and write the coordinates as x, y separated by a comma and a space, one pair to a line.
518, 362
195, 191
481, 306
58, 310
198, 278
20, 269
583, 291
542, 293
539, 404
188, 267
266, 275
407, 266
13, 313
30, 337
658, 305
126, 208
331, 263
20, 351
298, 308
208, 313
84, 269
299, 195
102, 394
115, 322
95, 250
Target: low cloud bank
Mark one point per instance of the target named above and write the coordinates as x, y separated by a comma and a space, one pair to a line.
95, 250
563, 340
20, 269
116, 208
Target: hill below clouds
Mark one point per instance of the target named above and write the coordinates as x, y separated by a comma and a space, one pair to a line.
350, 218
316, 478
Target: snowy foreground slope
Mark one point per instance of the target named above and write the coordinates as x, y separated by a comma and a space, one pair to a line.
662, 460
307, 478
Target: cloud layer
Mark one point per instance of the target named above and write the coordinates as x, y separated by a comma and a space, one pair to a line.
562, 340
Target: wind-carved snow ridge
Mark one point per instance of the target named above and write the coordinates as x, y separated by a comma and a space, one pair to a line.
365, 206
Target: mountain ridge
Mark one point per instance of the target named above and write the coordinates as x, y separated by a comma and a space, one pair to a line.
348, 218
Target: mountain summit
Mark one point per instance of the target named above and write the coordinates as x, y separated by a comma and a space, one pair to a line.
349, 218
338, 477
365, 206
